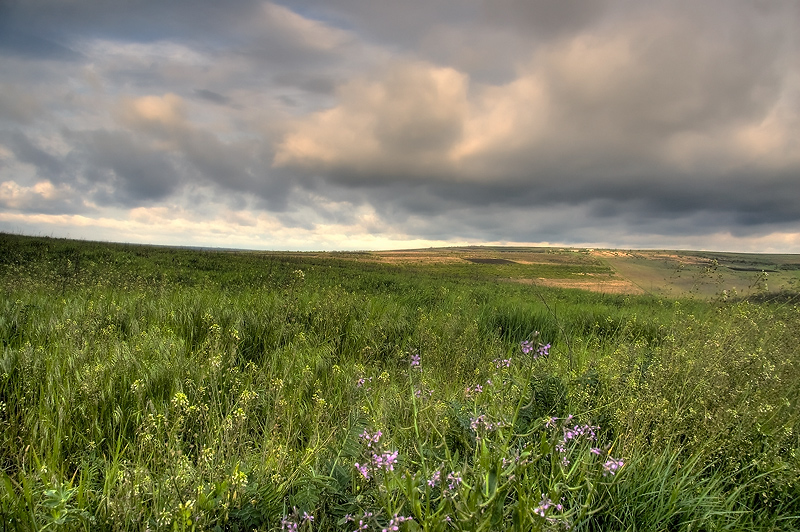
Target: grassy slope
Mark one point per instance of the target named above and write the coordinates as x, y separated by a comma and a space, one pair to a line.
158, 388
703, 274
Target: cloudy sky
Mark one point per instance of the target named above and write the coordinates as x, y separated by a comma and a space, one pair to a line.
370, 124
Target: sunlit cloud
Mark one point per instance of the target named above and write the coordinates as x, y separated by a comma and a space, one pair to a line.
348, 124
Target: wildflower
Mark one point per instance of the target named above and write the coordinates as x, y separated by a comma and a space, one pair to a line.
544, 505
363, 469
502, 363
415, 361
543, 351
474, 390
527, 346
136, 387
179, 400
611, 466
394, 523
476, 423
453, 480
288, 524
577, 431
435, 478
482, 422
421, 393
539, 350
370, 438
362, 525
385, 461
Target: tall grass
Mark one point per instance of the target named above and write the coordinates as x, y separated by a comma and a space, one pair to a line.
163, 389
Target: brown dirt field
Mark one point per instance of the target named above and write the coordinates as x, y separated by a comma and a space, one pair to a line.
609, 286
415, 257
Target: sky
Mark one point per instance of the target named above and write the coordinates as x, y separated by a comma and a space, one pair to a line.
370, 124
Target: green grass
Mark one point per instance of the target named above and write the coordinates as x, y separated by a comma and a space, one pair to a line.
178, 389
708, 275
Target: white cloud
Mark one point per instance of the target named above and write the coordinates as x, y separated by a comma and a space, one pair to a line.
303, 31
160, 115
42, 195
404, 119
647, 94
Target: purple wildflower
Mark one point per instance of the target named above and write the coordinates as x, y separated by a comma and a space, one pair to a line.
476, 422
577, 431
453, 480
544, 505
539, 350
415, 361
288, 524
370, 438
543, 351
474, 390
611, 466
395, 522
421, 393
502, 363
363, 469
527, 346
362, 523
385, 461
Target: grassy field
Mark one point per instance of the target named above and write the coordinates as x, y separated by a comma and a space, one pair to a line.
151, 388
673, 274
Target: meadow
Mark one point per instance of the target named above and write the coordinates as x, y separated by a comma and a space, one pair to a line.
154, 388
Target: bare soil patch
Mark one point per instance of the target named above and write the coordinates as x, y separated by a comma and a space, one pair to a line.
489, 261
604, 286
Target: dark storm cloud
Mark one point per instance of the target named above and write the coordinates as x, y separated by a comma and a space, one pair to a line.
306, 81
507, 120
17, 42
47, 165
121, 170
653, 115
543, 19
128, 19
212, 96
17, 105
